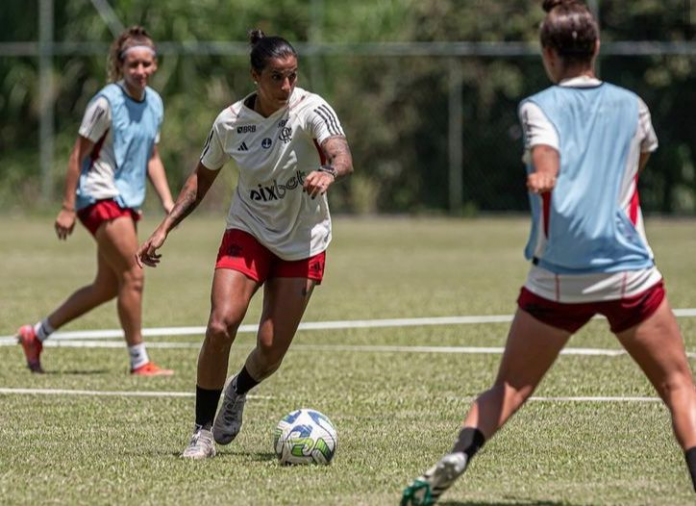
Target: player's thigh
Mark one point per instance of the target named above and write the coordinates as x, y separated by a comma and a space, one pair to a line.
284, 304
532, 347
230, 296
657, 346
117, 241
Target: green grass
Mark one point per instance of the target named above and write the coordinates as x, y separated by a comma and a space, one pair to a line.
396, 413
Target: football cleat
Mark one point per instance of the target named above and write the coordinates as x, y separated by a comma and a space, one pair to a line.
228, 421
201, 445
32, 347
151, 369
428, 488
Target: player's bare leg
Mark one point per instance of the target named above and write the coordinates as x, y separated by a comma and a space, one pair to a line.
284, 304
531, 349
118, 243
102, 289
656, 345
231, 294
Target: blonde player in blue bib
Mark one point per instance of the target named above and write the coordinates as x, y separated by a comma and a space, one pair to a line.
115, 153
586, 142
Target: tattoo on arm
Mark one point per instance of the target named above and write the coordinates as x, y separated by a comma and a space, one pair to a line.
185, 204
195, 188
338, 155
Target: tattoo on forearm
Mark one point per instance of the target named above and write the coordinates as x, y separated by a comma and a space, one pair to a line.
188, 201
182, 208
338, 154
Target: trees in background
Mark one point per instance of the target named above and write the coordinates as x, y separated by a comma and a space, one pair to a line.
394, 108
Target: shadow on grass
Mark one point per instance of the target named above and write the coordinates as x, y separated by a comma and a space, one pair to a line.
255, 456
221, 455
510, 501
77, 372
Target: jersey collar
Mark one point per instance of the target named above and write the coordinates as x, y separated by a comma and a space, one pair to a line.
580, 82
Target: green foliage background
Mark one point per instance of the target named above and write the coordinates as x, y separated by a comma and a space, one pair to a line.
394, 109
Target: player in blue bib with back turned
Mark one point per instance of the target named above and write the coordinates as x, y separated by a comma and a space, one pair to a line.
586, 143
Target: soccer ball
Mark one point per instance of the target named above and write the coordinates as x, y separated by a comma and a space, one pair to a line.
305, 436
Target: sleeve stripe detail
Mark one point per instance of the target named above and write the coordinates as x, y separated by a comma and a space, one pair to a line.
330, 120
207, 143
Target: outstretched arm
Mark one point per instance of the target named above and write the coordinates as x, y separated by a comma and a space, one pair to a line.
546, 164
340, 164
195, 188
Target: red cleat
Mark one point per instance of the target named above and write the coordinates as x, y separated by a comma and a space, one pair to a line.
151, 369
32, 347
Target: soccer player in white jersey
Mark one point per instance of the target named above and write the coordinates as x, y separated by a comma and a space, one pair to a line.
104, 189
586, 143
290, 148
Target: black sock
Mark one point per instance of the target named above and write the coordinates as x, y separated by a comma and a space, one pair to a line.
690, 455
245, 382
469, 441
206, 406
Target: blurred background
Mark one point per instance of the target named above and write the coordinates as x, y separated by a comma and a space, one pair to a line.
427, 90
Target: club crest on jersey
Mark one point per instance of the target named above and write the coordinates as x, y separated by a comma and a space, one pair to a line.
277, 191
266, 143
285, 134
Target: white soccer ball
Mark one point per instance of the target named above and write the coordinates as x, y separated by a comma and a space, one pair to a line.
305, 436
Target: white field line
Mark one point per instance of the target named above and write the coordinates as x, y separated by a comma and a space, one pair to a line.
472, 350
330, 325
576, 399
107, 393
595, 399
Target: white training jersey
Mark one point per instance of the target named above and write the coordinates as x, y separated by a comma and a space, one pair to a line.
590, 287
100, 182
274, 155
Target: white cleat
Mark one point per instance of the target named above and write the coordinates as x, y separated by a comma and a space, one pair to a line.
428, 488
201, 445
228, 421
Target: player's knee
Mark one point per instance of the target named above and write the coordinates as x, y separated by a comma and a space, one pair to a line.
220, 333
134, 279
676, 387
217, 331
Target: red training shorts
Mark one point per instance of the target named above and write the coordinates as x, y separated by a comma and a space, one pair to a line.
622, 313
102, 211
240, 251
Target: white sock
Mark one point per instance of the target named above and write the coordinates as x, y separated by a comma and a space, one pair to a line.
138, 355
43, 329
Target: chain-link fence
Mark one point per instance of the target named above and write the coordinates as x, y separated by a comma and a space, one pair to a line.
432, 125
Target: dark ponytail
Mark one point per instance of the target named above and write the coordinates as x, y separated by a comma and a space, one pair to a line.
570, 29
550, 4
265, 48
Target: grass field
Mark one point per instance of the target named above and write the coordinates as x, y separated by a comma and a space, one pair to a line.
396, 407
